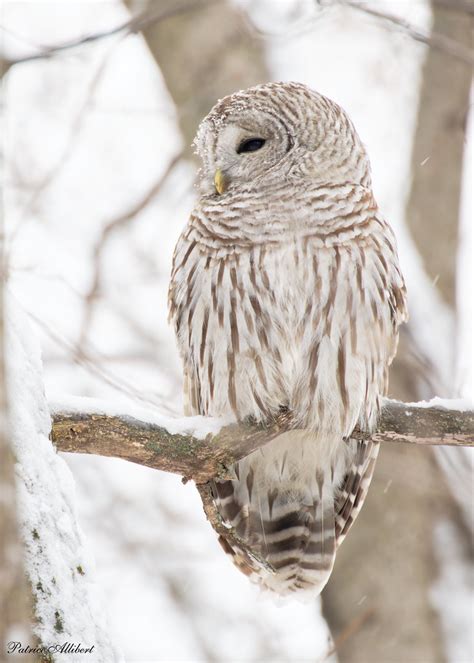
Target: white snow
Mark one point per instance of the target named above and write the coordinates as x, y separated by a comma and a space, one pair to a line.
461, 404
198, 427
68, 602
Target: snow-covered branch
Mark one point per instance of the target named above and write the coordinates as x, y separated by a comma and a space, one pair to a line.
200, 448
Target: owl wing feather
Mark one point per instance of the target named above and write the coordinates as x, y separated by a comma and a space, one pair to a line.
354, 487
357, 480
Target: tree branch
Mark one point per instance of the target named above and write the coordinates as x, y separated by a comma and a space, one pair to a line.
193, 456
154, 446
131, 26
432, 39
173, 445
437, 422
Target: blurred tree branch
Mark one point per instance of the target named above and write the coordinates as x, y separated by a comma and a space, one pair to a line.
434, 39
151, 16
117, 223
133, 25
151, 445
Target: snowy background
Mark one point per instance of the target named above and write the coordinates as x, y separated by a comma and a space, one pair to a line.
88, 134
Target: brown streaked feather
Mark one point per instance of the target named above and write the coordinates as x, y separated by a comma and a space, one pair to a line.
354, 487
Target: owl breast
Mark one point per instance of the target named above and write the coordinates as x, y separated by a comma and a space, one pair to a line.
292, 324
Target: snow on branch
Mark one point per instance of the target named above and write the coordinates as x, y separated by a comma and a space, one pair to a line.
200, 449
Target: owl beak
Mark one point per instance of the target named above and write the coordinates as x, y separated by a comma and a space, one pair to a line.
220, 181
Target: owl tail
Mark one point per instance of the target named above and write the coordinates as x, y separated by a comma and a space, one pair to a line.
282, 506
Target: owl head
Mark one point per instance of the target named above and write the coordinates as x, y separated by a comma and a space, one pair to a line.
278, 131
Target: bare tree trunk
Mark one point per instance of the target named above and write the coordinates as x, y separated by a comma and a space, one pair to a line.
388, 563
433, 209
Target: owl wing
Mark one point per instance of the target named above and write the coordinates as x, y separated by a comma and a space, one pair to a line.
355, 486
191, 390
357, 480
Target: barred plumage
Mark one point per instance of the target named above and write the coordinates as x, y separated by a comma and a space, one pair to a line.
286, 294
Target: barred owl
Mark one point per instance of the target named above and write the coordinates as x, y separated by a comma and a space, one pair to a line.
286, 295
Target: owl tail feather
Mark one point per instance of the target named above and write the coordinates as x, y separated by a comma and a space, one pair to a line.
287, 519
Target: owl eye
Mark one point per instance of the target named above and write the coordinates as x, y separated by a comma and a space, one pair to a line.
250, 145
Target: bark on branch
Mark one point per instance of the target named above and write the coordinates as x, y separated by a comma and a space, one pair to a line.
154, 446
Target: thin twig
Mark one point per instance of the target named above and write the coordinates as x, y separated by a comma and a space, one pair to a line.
433, 39
109, 229
133, 25
351, 629
91, 362
72, 140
